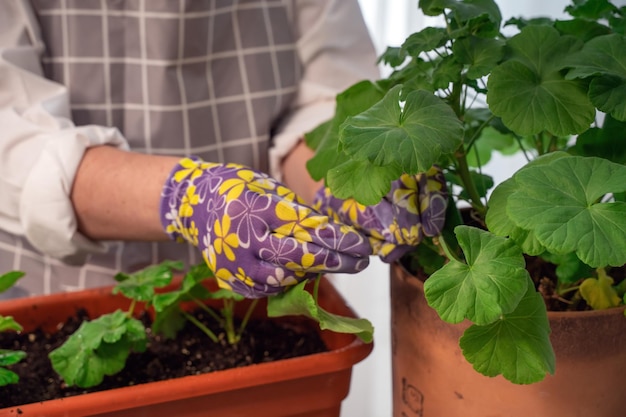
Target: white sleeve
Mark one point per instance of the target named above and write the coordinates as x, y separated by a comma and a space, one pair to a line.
336, 51
40, 148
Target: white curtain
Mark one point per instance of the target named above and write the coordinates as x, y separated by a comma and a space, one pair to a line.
389, 22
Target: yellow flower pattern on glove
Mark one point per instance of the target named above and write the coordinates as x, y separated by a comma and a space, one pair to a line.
254, 233
414, 207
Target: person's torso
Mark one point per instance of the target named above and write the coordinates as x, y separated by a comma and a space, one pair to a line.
210, 78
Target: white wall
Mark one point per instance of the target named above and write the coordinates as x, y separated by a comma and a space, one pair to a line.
390, 21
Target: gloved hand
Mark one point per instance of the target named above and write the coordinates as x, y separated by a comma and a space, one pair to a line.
414, 207
255, 234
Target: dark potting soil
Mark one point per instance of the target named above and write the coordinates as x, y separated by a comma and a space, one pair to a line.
191, 353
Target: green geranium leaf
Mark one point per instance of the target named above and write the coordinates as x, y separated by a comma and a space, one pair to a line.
325, 138
169, 320
9, 279
582, 29
498, 220
561, 203
191, 288
99, 347
491, 140
480, 16
393, 56
9, 323
607, 94
517, 346
140, 285
435, 7
490, 284
447, 71
499, 223
296, 301
424, 41
8, 358
603, 56
569, 269
413, 137
607, 142
591, 9
362, 181
529, 92
8, 377
599, 292
11, 357
480, 54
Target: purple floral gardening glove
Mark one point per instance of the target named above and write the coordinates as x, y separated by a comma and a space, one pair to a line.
414, 207
255, 234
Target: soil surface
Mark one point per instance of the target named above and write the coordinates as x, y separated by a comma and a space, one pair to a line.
190, 354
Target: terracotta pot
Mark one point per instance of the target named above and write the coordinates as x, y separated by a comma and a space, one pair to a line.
431, 378
308, 386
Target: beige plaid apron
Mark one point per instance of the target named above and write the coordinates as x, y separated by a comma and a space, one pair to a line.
190, 77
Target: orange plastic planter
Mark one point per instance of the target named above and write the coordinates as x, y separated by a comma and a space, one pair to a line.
308, 386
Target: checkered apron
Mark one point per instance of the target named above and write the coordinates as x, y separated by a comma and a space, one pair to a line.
200, 77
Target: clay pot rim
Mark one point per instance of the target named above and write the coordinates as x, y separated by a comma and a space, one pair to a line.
587, 313
555, 315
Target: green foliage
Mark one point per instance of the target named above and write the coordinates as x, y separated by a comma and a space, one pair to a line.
9, 357
98, 348
556, 91
101, 346
490, 282
9, 279
299, 302
517, 345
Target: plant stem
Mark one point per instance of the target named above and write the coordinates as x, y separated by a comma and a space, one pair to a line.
468, 184
316, 287
208, 310
229, 324
454, 100
246, 318
201, 326
446, 249
131, 308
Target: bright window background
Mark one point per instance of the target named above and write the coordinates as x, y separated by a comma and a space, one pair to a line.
389, 22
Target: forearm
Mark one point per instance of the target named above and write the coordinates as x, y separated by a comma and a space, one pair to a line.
295, 174
116, 194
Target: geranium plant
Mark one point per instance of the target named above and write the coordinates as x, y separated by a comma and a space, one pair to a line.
555, 91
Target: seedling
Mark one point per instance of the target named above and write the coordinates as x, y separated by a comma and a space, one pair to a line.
9, 357
101, 346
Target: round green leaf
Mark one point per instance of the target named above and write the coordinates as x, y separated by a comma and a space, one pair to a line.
364, 182
561, 202
601, 55
607, 94
490, 284
529, 104
413, 136
480, 54
529, 92
517, 346
425, 40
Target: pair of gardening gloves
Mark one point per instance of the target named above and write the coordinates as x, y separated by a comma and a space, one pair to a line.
258, 237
